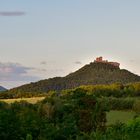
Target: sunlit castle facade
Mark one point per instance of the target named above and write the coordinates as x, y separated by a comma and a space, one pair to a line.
100, 60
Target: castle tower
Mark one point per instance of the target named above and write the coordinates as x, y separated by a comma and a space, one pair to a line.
100, 60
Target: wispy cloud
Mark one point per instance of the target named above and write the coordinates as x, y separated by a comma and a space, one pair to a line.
15, 72
78, 62
43, 63
12, 13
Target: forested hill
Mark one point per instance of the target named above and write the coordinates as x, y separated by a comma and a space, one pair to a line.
2, 89
93, 73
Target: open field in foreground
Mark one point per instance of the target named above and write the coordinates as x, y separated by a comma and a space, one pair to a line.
30, 100
121, 116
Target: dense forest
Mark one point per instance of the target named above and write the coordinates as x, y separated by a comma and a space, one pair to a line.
91, 74
71, 115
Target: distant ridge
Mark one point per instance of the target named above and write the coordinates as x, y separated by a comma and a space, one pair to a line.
91, 74
2, 89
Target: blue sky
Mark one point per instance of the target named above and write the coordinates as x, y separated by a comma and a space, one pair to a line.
56, 37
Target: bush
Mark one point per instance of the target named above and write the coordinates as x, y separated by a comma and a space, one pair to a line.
136, 106
118, 103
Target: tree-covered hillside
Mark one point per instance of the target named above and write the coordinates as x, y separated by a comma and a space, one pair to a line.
91, 74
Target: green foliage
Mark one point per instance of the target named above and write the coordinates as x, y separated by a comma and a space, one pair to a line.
118, 131
118, 103
55, 118
75, 115
123, 116
29, 137
17, 120
136, 106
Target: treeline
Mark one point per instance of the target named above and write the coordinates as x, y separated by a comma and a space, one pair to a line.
75, 115
112, 102
113, 90
126, 104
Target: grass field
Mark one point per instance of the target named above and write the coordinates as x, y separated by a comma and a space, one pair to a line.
30, 100
121, 116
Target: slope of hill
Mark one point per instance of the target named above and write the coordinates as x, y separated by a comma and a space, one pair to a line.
93, 73
2, 89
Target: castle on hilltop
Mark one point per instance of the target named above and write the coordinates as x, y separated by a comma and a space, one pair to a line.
100, 60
